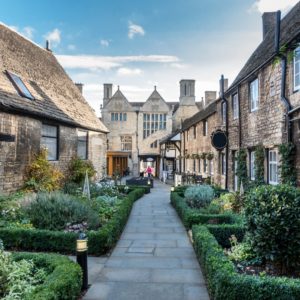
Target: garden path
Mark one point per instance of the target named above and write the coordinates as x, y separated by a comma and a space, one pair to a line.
153, 260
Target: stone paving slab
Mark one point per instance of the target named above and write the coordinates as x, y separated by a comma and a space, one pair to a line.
153, 260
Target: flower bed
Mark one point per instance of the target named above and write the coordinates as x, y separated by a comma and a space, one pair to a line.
99, 241
224, 282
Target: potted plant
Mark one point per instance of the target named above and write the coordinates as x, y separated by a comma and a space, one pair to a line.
210, 156
203, 155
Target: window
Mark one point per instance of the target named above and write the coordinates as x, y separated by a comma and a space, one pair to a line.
50, 141
211, 167
195, 132
223, 113
199, 165
126, 143
252, 165
118, 117
297, 69
194, 165
82, 142
223, 162
204, 165
273, 167
19, 85
154, 144
153, 123
205, 127
235, 106
254, 95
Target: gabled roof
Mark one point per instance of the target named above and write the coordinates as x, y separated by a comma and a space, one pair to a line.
200, 116
290, 29
56, 97
169, 137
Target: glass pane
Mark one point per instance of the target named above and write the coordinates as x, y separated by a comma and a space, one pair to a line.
81, 150
125, 116
51, 145
82, 136
48, 130
21, 86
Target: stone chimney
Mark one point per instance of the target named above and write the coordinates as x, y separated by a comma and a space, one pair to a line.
268, 22
107, 92
225, 85
210, 96
187, 92
80, 87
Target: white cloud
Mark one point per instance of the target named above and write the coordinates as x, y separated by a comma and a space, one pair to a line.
128, 71
134, 29
109, 62
104, 43
71, 47
54, 37
272, 5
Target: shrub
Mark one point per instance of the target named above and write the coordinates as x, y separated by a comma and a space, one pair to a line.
242, 171
273, 222
259, 165
54, 210
230, 202
199, 196
78, 169
41, 175
287, 164
218, 190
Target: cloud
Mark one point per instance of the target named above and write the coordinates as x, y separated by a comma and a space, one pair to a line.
128, 71
272, 5
54, 37
71, 47
134, 29
110, 62
26, 31
104, 43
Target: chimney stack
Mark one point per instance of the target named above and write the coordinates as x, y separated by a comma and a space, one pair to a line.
225, 85
80, 87
268, 22
107, 92
210, 96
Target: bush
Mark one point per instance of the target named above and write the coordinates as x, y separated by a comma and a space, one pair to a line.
54, 210
273, 222
199, 196
230, 202
41, 175
78, 169
218, 190
225, 283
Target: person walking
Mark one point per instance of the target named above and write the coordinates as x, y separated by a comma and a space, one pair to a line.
149, 171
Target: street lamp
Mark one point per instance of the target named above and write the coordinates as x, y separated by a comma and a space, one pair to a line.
81, 258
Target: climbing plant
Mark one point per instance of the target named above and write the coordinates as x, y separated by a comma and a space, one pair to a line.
259, 164
241, 170
287, 166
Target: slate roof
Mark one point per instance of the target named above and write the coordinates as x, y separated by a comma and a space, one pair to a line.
169, 137
290, 29
200, 116
56, 97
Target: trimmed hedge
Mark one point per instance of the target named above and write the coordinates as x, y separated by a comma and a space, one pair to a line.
99, 242
192, 217
225, 283
64, 278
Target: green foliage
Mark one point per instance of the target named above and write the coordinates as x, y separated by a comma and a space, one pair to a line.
78, 168
259, 164
273, 222
199, 196
242, 171
225, 283
54, 210
41, 175
239, 252
218, 190
287, 164
229, 202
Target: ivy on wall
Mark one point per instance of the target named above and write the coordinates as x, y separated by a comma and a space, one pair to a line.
241, 170
259, 164
287, 166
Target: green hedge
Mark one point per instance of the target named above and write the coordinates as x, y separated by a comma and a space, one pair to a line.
225, 283
192, 217
64, 278
99, 242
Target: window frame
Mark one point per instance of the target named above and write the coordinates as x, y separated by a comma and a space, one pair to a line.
270, 164
252, 165
126, 142
223, 163
19, 86
296, 51
86, 144
51, 137
205, 127
235, 106
251, 100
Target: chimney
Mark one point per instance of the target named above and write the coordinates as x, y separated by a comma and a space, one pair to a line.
48, 46
225, 80
80, 87
210, 96
268, 22
107, 92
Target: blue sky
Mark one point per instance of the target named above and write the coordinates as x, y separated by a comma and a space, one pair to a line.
139, 44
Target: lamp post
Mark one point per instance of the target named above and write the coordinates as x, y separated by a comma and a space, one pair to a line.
81, 258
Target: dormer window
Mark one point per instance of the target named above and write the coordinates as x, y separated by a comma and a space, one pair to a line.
19, 85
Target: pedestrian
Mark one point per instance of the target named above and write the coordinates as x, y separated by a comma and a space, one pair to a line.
149, 171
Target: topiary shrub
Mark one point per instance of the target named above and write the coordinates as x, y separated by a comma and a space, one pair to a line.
273, 221
78, 169
54, 210
41, 175
199, 196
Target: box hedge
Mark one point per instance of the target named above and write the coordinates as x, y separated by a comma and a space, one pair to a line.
64, 277
99, 242
192, 217
225, 283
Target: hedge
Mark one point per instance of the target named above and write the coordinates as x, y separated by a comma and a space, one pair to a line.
225, 283
99, 242
64, 277
192, 217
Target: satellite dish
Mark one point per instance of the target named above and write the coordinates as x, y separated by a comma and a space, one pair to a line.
219, 139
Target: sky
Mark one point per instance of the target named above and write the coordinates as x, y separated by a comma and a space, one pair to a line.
139, 44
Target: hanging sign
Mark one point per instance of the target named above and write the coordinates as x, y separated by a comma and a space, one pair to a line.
219, 139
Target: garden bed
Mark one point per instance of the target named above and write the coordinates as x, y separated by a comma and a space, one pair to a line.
223, 280
99, 241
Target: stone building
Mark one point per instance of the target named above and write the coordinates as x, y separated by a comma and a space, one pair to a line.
136, 128
41, 107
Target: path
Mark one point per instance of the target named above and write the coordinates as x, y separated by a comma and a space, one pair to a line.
154, 259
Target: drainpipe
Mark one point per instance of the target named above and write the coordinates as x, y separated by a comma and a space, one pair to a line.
224, 100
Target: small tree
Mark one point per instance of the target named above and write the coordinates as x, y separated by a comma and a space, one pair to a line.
78, 168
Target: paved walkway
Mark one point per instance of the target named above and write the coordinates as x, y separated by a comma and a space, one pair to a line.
153, 260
